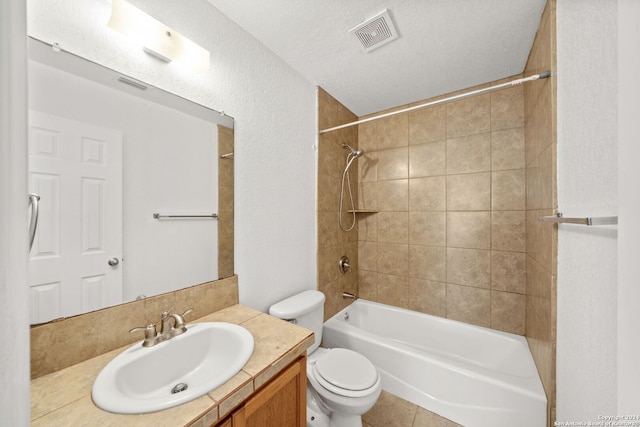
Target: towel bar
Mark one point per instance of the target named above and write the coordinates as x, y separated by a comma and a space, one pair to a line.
595, 220
160, 216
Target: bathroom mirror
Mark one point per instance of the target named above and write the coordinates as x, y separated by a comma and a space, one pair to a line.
135, 185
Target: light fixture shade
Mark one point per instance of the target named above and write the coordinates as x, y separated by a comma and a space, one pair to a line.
157, 38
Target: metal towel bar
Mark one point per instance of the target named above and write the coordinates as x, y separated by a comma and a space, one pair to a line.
595, 220
161, 216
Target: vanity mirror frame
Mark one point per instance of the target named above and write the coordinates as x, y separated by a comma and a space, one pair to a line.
44, 53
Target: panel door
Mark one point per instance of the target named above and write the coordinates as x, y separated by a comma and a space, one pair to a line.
76, 168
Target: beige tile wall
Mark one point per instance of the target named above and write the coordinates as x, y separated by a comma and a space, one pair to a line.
450, 235
225, 203
448, 182
333, 243
541, 199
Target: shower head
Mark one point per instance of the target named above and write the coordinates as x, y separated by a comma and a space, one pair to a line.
354, 153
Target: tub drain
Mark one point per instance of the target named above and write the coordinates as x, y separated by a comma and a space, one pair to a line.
179, 387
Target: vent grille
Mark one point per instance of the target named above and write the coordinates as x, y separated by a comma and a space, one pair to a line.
375, 32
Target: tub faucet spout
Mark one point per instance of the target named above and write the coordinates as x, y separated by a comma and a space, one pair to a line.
349, 295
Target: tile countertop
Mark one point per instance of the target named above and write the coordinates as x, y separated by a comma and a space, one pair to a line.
64, 397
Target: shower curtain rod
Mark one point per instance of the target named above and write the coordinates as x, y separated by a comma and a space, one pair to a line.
516, 82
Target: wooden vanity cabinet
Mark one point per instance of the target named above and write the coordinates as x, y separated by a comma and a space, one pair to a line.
282, 402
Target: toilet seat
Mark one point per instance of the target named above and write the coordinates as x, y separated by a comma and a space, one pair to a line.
345, 372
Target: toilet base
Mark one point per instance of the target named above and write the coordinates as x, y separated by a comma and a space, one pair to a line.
317, 419
318, 415
317, 412
320, 419
345, 420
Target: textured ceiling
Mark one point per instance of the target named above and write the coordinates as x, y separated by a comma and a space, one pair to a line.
444, 45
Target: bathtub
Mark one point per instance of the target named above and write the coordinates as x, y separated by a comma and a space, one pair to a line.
475, 376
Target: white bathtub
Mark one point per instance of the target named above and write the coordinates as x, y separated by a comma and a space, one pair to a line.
475, 376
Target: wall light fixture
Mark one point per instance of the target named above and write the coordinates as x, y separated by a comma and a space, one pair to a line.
156, 38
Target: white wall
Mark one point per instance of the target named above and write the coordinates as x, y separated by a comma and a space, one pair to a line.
14, 307
587, 186
275, 127
170, 165
629, 206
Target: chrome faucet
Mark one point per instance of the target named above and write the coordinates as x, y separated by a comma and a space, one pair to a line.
151, 335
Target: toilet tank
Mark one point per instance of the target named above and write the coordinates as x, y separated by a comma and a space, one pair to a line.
307, 309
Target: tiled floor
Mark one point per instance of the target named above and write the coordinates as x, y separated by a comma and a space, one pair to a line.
392, 411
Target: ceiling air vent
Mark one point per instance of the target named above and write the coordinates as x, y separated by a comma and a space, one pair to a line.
375, 32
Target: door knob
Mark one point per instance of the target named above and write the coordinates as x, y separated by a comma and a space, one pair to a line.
113, 262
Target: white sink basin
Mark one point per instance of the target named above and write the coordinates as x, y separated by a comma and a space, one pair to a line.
141, 379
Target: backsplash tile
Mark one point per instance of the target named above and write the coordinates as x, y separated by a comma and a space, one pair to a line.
65, 342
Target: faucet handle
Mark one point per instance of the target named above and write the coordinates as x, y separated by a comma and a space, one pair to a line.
179, 320
150, 334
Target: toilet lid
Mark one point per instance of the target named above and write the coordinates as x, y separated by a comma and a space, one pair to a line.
345, 369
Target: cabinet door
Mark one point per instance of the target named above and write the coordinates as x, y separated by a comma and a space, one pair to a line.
282, 403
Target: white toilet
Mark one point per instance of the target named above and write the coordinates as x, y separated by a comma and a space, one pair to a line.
341, 384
